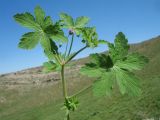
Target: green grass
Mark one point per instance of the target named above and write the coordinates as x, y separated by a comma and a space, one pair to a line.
35, 106
44, 102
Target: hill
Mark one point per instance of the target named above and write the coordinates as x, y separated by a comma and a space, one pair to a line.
32, 95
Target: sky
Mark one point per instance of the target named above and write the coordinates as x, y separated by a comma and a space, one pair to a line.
139, 20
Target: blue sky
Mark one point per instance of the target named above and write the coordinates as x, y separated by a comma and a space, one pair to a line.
138, 19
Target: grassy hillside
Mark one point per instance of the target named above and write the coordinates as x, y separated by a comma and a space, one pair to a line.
43, 101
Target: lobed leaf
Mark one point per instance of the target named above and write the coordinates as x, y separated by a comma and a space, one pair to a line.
120, 48
133, 61
121, 45
103, 86
91, 72
45, 42
81, 21
29, 40
27, 20
127, 82
68, 20
60, 37
101, 60
47, 22
39, 15
103, 42
90, 36
49, 66
50, 53
54, 32
117, 66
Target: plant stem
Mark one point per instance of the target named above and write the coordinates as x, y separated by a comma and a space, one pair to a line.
66, 47
64, 87
71, 45
63, 82
57, 59
76, 54
68, 117
81, 91
62, 72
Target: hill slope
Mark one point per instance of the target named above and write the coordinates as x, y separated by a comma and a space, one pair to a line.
30, 101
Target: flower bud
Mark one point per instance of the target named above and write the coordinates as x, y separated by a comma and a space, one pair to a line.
71, 32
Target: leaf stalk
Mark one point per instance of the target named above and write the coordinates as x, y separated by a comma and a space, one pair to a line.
71, 44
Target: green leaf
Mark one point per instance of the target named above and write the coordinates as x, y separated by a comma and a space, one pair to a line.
45, 42
96, 58
127, 82
103, 42
48, 44
75, 26
27, 20
81, 21
44, 30
117, 66
50, 53
54, 32
29, 40
90, 36
120, 48
68, 20
103, 86
133, 61
101, 60
121, 45
54, 47
100, 64
71, 104
39, 15
49, 67
78, 31
91, 72
60, 37
47, 22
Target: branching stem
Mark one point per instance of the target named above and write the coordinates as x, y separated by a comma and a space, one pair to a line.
76, 54
62, 69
